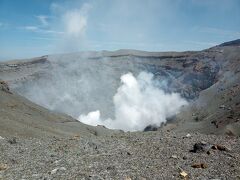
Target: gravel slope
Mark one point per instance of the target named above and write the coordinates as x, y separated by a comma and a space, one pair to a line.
151, 155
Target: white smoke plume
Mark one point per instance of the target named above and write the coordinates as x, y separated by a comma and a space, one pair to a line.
138, 103
73, 23
75, 85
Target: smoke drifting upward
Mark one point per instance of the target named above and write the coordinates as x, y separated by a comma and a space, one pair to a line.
101, 91
71, 22
138, 103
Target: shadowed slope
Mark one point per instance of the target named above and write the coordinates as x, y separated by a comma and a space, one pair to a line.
22, 118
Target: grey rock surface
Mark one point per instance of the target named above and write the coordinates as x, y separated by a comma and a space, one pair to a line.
129, 155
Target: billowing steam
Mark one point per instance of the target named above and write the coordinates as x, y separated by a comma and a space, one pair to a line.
90, 90
138, 103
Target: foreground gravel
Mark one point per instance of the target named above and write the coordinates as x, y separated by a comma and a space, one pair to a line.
150, 155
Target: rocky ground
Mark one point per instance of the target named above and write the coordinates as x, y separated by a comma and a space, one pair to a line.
149, 155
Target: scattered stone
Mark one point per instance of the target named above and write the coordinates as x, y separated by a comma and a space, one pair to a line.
13, 140
214, 147
150, 128
57, 161
62, 169
111, 168
1, 138
54, 171
13, 161
102, 126
184, 157
128, 178
3, 167
174, 156
184, 175
230, 133
222, 107
215, 123
196, 118
35, 175
52, 155
200, 165
128, 153
188, 135
220, 148
75, 137
201, 147
95, 177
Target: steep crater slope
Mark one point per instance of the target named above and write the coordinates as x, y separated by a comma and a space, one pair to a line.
21, 118
217, 108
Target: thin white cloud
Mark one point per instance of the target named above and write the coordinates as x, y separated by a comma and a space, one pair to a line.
43, 19
36, 29
68, 24
30, 28
45, 38
56, 8
50, 32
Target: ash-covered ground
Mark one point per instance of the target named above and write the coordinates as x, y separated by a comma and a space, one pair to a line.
150, 155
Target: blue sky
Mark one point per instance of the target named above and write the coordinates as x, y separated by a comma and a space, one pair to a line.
30, 28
